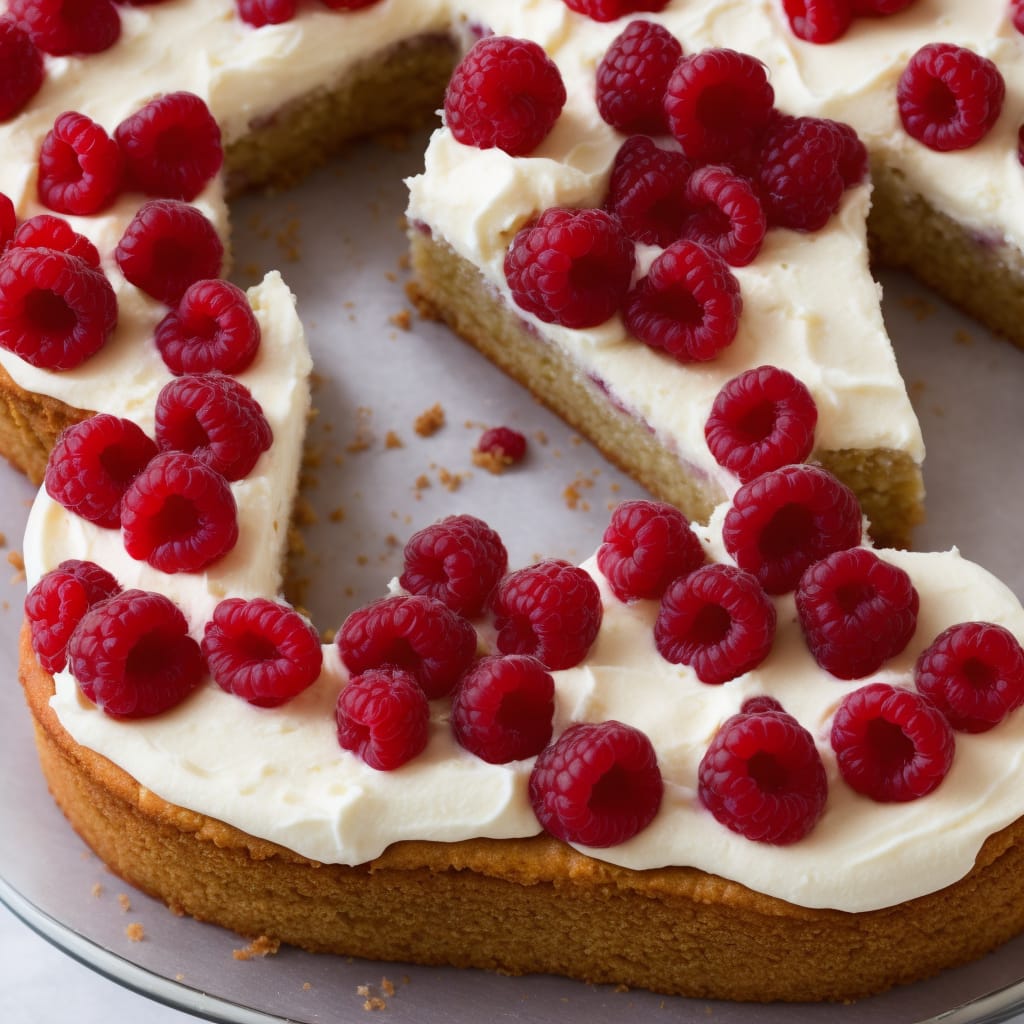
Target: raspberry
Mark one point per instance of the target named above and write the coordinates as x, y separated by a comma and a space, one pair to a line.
633, 75
506, 445
761, 420
891, 744
263, 652
646, 546
503, 708
609, 10
725, 215
718, 621
45, 231
597, 785
21, 68
59, 28
646, 191
212, 329
417, 634
718, 102
949, 97
58, 602
93, 463
688, 305
171, 147
759, 704
818, 21
572, 267
79, 166
266, 12
974, 674
55, 310
168, 246
383, 716
853, 154
457, 561
783, 521
8, 219
1017, 14
856, 612
178, 515
216, 419
762, 775
550, 610
505, 93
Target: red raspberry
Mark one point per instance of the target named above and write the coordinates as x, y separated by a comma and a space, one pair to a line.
417, 634
45, 231
974, 674
718, 621
783, 521
168, 246
178, 515
646, 191
263, 652
718, 102
93, 463
505, 93
457, 561
856, 612
760, 704
503, 708
550, 610
647, 545
132, 656
55, 310
761, 420
725, 215
597, 785
383, 716
891, 744
572, 267
818, 21
688, 305
853, 154
58, 602
609, 10
633, 75
1017, 14
216, 419
762, 775
949, 97
79, 166
59, 27
21, 68
8, 218
266, 12
506, 445
212, 329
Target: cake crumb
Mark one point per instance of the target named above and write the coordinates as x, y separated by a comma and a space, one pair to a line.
573, 494
375, 1003
422, 482
450, 481
15, 560
918, 306
430, 421
3, 540
387, 986
124, 902
179, 976
135, 932
307, 986
362, 990
392, 440
337, 515
263, 945
97, 890
402, 320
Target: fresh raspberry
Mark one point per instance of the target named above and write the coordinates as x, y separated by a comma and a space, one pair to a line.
891, 744
597, 785
264, 652
216, 419
79, 166
93, 463
572, 267
457, 561
383, 716
718, 621
132, 656
949, 97
505, 93
879, 8
853, 154
762, 775
550, 610
60, 27
171, 147
266, 12
856, 612
688, 305
44, 231
1017, 14
506, 445
818, 21
503, 708
647, 545
58, 602
760, 704
417, 634
8, 220
725, 215
178, 515
168, 246
55, 310
718, 102
974, 674
213, 329
21, 68
633, 75
646, 191
609, 10
783, 521
761, 420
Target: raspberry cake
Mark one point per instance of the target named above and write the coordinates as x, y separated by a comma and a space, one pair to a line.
343, 835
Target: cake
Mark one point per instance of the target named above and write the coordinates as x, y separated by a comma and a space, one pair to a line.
393, 856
